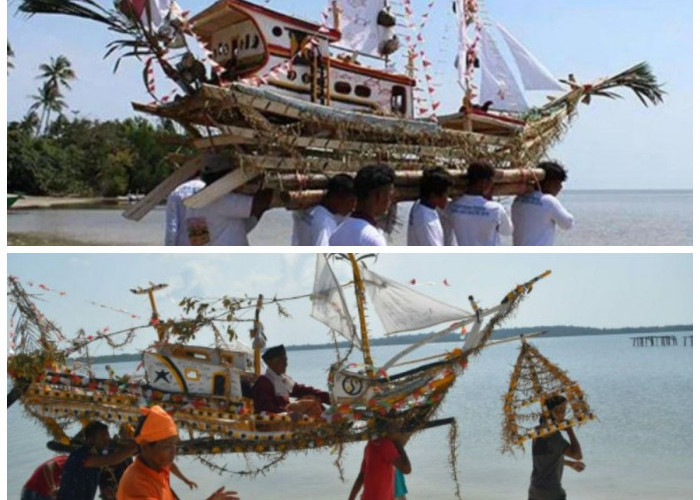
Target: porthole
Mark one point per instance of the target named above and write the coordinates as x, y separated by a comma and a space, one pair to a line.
343, 87
277, 31
291, 75
306, 78
363, 91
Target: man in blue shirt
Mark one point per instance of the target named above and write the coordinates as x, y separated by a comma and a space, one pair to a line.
81, 473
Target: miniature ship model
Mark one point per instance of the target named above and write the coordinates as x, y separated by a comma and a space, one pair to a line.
207, 390
288, 103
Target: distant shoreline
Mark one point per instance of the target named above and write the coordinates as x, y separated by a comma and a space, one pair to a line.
551, 331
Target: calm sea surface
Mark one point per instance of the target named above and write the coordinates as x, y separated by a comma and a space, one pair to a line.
641, 446
624, 218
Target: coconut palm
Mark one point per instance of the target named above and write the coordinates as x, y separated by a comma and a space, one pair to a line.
49, 100
58, 73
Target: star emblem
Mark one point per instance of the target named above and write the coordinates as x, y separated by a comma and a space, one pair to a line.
162, 374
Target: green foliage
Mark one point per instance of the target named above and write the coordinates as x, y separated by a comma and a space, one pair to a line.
88, 158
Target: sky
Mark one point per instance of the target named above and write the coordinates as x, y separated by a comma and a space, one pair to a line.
611, 145
594, 290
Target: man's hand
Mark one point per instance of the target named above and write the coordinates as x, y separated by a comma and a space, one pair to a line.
577, 465
220, 494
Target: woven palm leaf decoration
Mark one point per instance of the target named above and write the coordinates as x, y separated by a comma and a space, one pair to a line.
534, 380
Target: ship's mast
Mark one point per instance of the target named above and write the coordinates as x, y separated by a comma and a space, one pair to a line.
155, 318
360, 298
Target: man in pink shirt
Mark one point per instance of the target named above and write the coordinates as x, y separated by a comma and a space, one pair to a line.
376, 477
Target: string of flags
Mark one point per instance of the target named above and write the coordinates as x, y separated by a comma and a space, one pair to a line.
414, 281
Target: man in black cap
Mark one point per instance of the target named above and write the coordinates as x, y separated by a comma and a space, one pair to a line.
273, 390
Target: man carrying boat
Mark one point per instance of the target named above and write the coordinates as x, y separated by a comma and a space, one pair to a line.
175, 220
537, 215
81, 472
477, 220
313, 227
374, 187
424, 224
273, 390
227, 220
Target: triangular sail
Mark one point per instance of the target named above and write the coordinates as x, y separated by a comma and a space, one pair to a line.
358, 24
401, 309
533, 73
328, 302
497, 81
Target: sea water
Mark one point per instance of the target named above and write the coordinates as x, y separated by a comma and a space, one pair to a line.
640, 447
624, 218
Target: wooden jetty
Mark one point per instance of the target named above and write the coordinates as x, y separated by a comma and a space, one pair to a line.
658, 340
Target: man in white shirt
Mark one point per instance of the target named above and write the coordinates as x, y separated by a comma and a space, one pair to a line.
175, 221
374, 188
474, 217
537, 215
227, 220
424, 223
313, 227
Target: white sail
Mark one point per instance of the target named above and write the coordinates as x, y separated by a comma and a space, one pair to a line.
358, 24
533, 73
402, 309
328, 302
497, 81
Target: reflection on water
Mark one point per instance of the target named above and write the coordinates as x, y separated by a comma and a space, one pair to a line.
624, 218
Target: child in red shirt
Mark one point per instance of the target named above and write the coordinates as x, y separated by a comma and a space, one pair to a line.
43, 485
376, 477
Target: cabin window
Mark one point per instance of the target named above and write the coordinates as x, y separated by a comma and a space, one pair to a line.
219, 385
192, 374
277, 31
197, 355
291, 75
247, 41
363, 91
398, 99
306, 78
256, 41
343, 87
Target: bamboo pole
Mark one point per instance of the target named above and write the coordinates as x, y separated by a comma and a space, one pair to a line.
360, 297
301, 199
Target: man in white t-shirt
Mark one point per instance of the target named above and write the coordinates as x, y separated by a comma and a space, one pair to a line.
424, 223
175, 222
537, 215
227, 220
314, 226
474, 217
374, 187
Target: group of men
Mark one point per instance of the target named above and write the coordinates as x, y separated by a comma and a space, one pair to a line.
350, 211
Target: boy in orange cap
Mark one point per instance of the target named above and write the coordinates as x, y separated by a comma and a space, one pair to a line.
148, 478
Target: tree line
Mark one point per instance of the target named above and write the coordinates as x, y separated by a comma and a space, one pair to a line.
50, 154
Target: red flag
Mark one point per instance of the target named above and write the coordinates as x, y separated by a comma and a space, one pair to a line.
413, 281
444, 282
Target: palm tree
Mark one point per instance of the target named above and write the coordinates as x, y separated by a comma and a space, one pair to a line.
49, 99
10, 55
57, 73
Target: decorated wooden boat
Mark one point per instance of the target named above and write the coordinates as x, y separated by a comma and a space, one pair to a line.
288, 102
207, 389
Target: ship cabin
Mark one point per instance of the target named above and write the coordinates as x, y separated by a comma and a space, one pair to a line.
251, 41
227, 373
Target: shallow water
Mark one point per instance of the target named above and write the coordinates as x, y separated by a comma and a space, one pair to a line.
640, 447
626, 218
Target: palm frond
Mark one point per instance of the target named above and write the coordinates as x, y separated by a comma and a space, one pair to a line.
85, 9
640, 79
